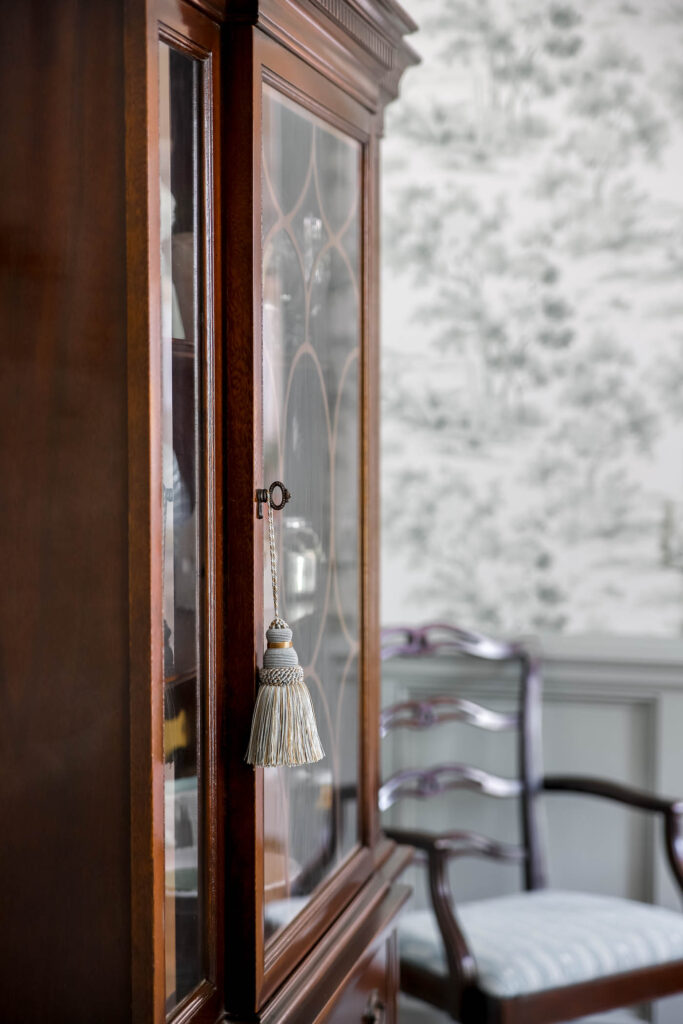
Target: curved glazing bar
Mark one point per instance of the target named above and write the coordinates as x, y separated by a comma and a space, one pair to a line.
311, 195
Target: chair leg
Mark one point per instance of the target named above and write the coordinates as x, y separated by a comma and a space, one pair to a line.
475, 1008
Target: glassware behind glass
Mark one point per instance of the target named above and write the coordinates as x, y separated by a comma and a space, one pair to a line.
311, 420
181, 503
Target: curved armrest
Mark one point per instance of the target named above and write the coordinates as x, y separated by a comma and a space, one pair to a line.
439, 848
671, 810
611, 791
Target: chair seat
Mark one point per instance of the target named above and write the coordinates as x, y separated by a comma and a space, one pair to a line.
415, 1011
541, 940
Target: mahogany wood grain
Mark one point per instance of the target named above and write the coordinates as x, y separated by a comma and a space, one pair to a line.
82, 858
144, 518
184, 28
560, 1004
287, 947
321, 977
213, 8
352, 52
370, 996
253, 969
318, 55
243, 798
64, 795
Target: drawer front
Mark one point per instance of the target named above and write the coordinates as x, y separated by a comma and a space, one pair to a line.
370, 997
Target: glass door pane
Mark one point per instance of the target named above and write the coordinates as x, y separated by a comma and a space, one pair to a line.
182, 557
311, 191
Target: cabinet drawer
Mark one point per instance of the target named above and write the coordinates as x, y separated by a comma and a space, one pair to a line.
370, 997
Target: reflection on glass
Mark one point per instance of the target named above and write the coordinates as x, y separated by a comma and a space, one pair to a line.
311, 342
181, 551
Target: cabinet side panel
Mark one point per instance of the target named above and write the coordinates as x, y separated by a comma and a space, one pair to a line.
64, 795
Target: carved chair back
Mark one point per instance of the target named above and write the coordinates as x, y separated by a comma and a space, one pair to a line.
437, 639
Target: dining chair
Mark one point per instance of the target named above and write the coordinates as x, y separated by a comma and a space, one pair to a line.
540, 955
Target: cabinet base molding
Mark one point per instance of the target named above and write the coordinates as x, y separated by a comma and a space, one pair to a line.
355, 961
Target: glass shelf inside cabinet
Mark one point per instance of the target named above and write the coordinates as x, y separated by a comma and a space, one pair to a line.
311, 217
181, 503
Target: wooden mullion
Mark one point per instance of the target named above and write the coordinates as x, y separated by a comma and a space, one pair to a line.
243, 597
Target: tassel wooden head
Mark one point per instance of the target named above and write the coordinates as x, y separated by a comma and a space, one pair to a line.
283, 728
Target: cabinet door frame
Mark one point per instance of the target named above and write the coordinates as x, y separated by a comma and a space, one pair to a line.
254, 967
350, 62
185, 28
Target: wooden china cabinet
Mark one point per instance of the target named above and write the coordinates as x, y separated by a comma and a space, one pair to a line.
253, 164
189, 212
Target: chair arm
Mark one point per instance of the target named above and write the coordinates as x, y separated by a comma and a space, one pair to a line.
611, 791
438, 848
671, 810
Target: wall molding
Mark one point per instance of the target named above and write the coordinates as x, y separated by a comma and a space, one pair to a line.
587, 674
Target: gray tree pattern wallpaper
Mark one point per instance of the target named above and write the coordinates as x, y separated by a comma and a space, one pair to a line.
533, 319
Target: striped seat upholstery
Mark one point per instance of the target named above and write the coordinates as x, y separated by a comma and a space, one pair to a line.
547, 939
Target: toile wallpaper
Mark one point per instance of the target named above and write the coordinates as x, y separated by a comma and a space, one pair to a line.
533, 319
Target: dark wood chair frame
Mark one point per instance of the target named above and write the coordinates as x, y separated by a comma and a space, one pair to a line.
459, 993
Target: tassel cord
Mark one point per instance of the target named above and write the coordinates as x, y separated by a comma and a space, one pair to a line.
273, 560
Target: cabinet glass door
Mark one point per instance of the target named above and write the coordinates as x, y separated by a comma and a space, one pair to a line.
182, 558
311, 208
